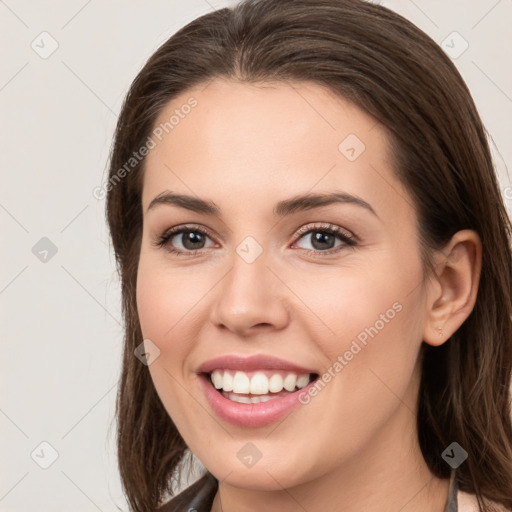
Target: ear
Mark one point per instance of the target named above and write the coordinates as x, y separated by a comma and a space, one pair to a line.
453, 289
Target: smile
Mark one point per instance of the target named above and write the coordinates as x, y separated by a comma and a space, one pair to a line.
257, 386
253, 392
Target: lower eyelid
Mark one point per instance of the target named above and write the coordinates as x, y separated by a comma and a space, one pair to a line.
344, 243
346, 239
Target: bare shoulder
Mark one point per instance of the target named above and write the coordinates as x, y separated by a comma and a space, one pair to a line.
468, 503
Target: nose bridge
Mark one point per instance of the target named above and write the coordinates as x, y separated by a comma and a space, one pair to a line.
249, 270
249, 294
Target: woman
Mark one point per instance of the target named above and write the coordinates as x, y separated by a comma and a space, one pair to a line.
316, 269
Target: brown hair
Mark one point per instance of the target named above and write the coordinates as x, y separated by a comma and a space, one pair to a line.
388, 67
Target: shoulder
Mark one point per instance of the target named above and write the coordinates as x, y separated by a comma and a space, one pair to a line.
198, 496
468, 503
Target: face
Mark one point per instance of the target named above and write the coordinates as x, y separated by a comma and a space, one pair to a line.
330, 287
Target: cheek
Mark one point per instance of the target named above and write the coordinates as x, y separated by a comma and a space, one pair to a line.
166, 298
371, 352
168, 302
379, 301
374, 325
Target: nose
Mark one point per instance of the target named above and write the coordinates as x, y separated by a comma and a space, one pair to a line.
250, 299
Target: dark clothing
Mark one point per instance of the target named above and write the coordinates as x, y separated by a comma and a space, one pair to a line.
196, 498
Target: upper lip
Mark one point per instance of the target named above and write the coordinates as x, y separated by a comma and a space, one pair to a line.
251, 363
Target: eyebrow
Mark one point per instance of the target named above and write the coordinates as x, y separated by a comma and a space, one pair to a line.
282, 208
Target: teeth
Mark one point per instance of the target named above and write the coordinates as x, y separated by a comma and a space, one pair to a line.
290, 381
276, 383
217, 380
227, 382
248, 400
303, 381
257, 383
241, 383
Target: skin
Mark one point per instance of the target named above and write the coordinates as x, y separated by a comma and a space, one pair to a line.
245, 147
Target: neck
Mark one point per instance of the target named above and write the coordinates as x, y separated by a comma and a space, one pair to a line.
389, 474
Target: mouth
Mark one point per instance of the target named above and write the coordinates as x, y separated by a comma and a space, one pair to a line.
254, 391
254, 399
259, 386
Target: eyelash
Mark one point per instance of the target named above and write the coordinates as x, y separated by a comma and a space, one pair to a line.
330, 229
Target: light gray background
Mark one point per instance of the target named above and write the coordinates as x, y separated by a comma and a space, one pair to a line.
61, 329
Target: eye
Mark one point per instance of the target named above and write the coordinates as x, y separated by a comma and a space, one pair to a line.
323, 238
191, 238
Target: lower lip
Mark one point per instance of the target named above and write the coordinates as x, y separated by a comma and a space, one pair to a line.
250, 415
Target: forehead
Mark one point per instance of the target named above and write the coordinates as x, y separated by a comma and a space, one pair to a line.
275, 138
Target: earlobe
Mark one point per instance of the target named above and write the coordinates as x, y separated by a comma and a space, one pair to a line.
453, 293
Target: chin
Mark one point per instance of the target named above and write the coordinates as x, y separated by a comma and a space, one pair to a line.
264, 475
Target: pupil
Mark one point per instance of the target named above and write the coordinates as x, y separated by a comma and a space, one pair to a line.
323, 238
191, 238
320, 240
